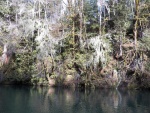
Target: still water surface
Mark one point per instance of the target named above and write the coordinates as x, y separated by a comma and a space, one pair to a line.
22, 99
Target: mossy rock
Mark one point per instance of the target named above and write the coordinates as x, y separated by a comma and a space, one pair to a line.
132, 86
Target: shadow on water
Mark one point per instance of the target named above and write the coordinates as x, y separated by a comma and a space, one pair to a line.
22, 99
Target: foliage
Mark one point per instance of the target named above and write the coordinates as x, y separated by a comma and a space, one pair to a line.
74, 38
91, 16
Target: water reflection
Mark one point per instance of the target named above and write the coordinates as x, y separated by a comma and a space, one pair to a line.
57, 100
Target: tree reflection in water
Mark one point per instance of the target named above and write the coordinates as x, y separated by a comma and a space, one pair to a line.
102, 101
58, 100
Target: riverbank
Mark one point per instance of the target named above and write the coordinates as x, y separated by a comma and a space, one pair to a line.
138, 81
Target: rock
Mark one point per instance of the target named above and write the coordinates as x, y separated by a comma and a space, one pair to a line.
69, 78
52, 82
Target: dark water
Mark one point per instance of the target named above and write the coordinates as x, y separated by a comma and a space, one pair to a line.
14, 99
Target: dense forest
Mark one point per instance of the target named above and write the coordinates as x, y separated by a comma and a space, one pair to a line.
75, 43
